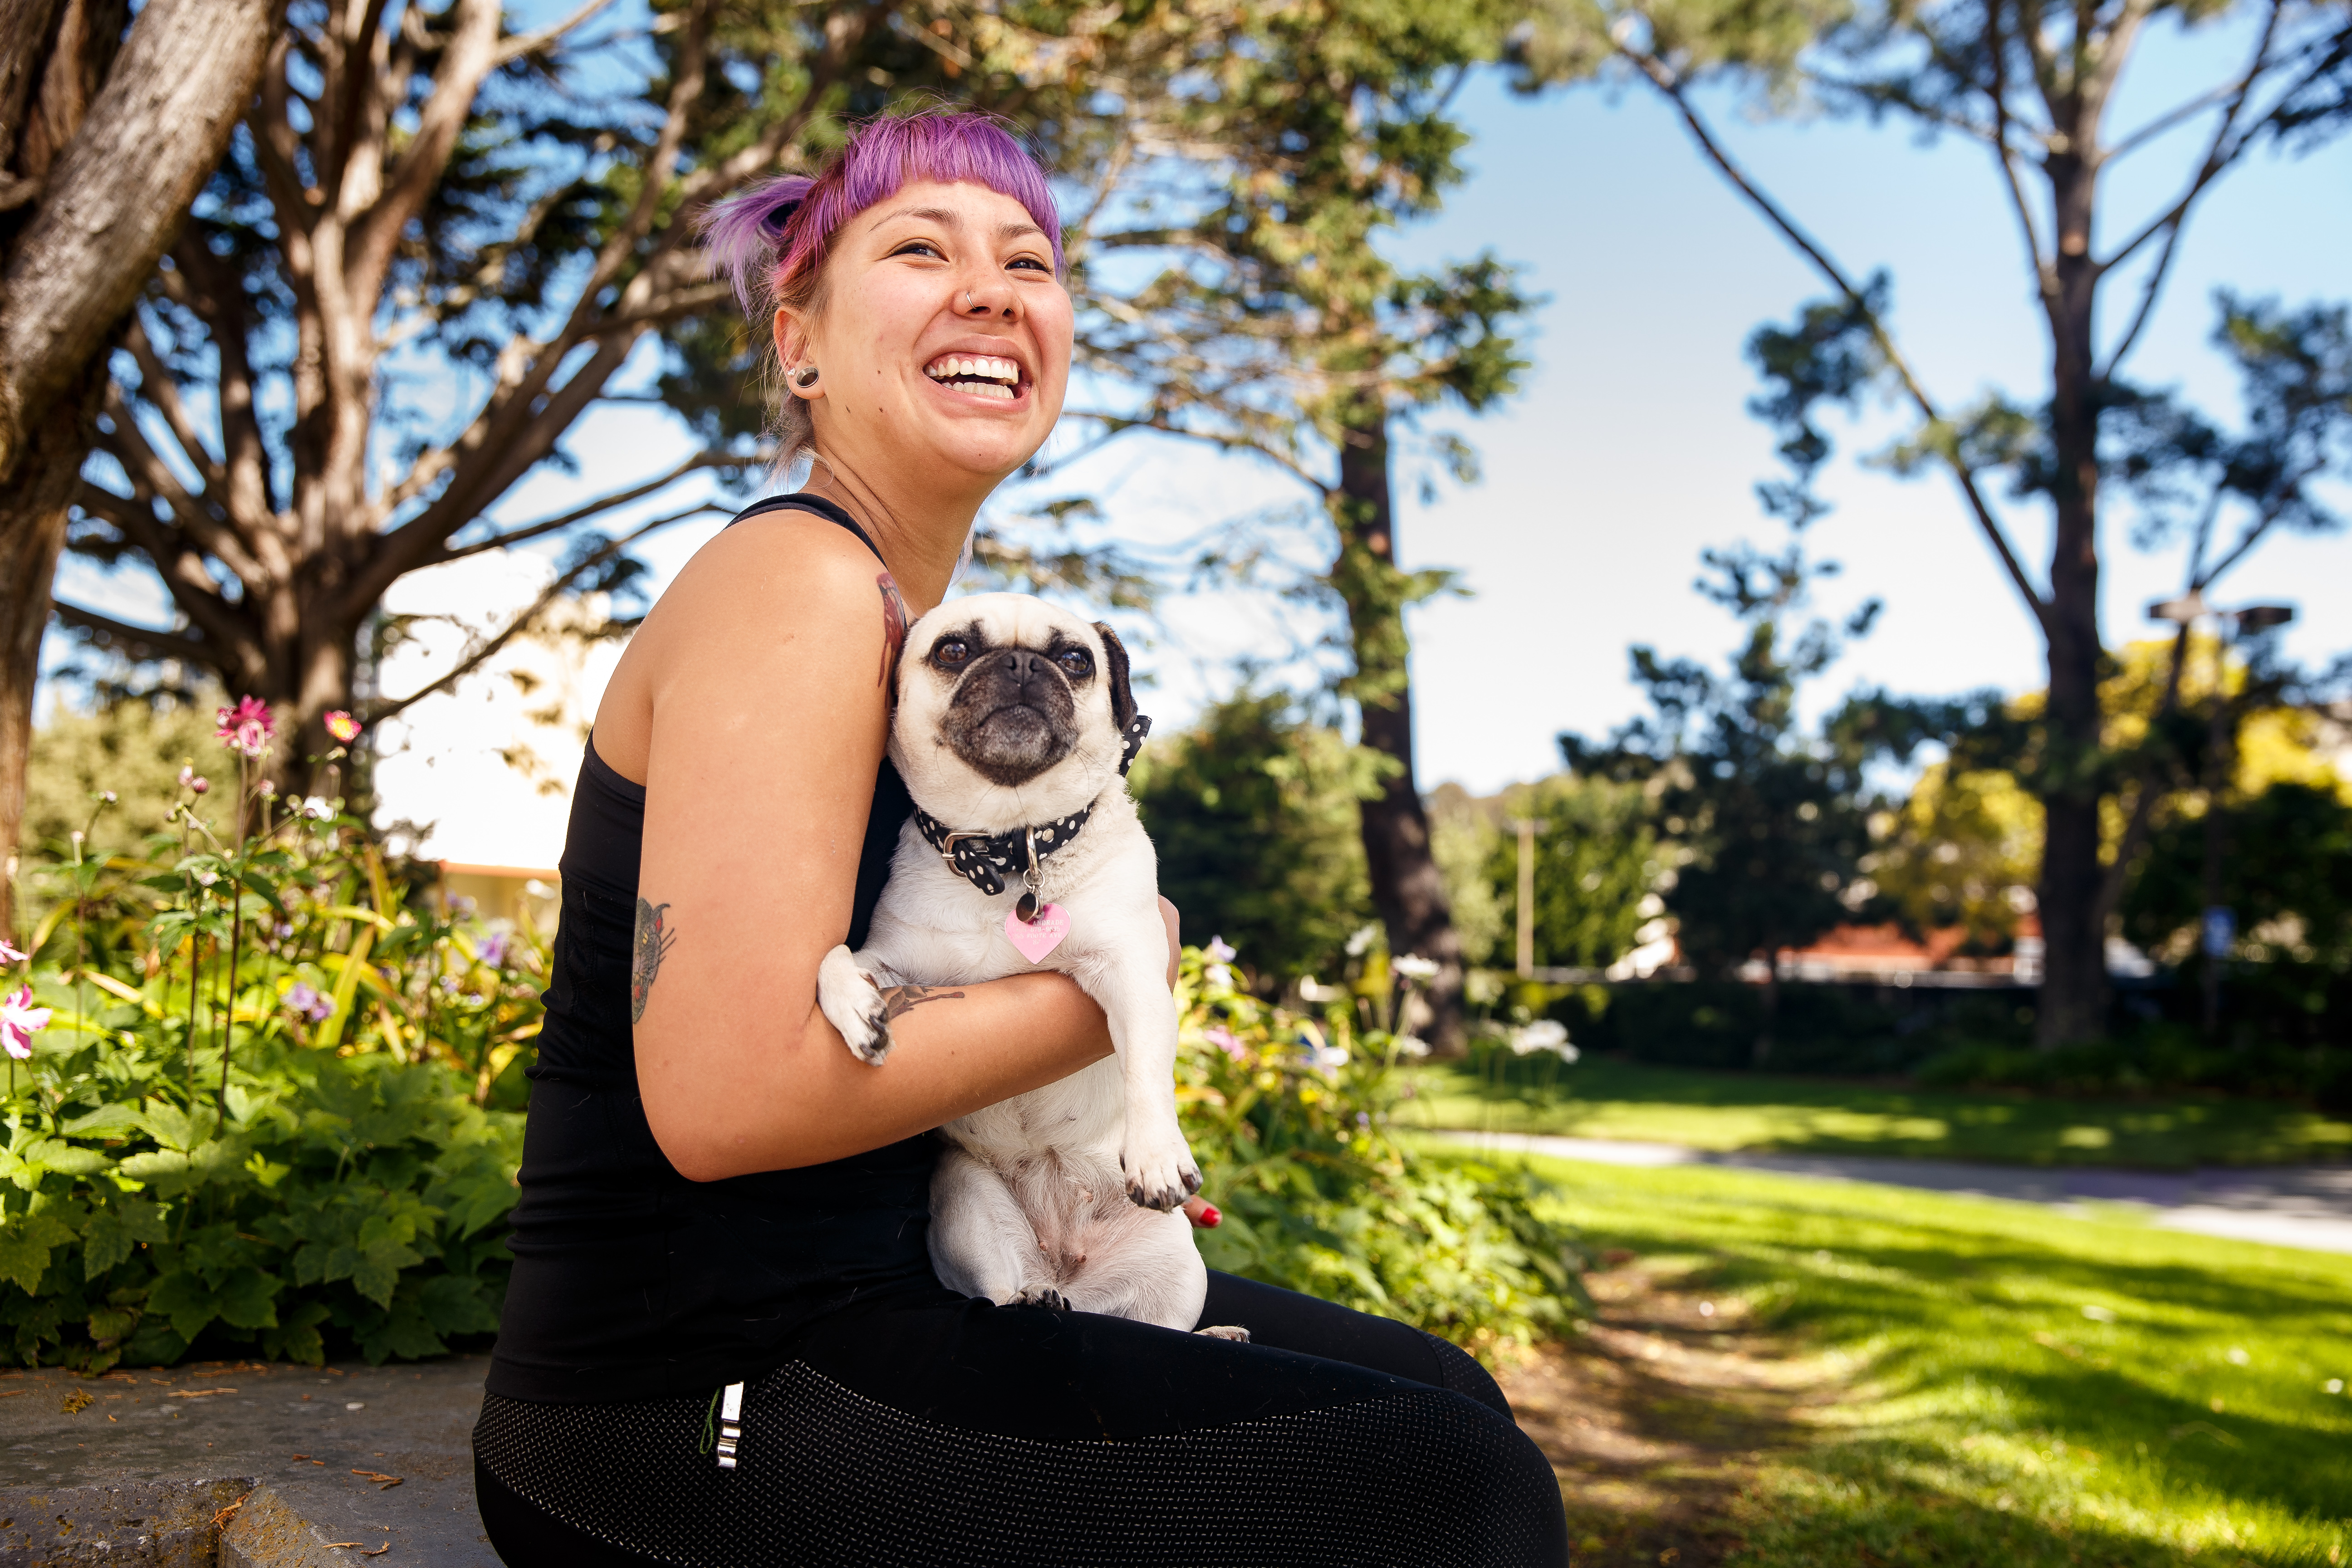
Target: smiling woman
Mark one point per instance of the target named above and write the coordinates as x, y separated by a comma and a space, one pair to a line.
724, 1343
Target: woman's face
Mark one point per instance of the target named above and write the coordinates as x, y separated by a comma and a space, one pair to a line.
942, 337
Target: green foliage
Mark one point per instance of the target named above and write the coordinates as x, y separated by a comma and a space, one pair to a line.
1252, 812
1596, 865
265, 1110
134, 749
1289, 1116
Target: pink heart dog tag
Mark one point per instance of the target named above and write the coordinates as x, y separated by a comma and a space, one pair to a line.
1041, 936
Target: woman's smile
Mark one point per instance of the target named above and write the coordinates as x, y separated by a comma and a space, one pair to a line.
987, 376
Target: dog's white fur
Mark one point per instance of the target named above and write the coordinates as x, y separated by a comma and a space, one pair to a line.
1069, 1195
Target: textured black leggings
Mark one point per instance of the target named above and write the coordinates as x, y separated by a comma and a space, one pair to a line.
945, 1433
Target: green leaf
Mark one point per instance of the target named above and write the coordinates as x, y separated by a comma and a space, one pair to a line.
296, 1337
106, 1122
183, 1300
245, 1299
455, 1304
115, 1230
24, 1248
65, 1159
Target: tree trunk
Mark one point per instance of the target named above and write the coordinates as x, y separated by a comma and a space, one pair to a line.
2072, 1005
1408, 892
99, 170
32, 531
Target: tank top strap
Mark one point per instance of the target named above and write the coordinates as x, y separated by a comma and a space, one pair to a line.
829, 510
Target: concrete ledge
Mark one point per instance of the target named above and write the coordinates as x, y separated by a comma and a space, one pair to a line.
167, 1524
242, 1464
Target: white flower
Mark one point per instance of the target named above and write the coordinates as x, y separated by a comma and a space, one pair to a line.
1413, 966
316, 808
1362, 941
1543, 1035
1321, 1056
1409, 1045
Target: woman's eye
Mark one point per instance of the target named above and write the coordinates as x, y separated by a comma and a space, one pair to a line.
919, 248
950, 653
1075, 663
1033, 263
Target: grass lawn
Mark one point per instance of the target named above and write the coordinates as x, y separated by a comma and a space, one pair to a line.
2003, 1386
1725, 1111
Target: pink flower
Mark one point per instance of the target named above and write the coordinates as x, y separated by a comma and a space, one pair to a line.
245, 727
342, 726
8, 953
1222, 1038
193, 782
20, 1021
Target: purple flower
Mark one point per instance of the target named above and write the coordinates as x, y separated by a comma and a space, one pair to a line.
1224, 1039
1220, 951
304, 1001
20, 1021
493, 951
8, 953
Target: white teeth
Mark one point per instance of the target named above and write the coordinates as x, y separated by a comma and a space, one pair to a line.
981, 375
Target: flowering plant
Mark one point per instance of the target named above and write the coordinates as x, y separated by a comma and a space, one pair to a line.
342, 726
1288, 1113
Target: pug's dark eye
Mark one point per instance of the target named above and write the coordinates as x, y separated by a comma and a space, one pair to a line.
950, 653
1075, 662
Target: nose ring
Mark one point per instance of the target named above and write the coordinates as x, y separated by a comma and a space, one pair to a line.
966, 299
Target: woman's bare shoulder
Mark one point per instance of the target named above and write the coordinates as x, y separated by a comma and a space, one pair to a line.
784, 589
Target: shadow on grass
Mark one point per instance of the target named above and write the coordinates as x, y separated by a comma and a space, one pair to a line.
1986, 1418
1725, 1111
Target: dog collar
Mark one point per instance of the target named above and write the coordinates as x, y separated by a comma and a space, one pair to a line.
988, 861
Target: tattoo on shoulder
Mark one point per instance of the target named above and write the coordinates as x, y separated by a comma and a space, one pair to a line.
899, 999
654, 941
894, 626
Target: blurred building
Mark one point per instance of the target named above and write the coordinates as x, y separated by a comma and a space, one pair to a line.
479, 778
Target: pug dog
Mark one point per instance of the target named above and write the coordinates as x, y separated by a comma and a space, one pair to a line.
1013, 727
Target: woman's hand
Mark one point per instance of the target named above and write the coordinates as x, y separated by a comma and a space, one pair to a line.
1175, 943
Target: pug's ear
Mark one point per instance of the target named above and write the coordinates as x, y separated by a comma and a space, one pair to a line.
1122, 695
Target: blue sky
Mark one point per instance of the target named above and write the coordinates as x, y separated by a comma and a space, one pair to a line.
1630, 449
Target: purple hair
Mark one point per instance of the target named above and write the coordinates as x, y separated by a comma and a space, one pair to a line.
772, 239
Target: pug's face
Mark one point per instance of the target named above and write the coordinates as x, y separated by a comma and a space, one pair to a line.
1011, 710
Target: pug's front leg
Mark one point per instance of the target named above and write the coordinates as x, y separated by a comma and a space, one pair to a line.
855, 1003
1156, 1161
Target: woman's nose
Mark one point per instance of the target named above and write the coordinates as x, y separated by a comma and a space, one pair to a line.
990, 294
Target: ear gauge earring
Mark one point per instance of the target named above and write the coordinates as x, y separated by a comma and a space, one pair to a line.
804, 379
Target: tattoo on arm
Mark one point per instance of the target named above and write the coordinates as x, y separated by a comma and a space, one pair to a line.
894, 626
897, 999
653, 945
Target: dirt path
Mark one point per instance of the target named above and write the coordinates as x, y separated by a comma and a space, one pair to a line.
1657, 1418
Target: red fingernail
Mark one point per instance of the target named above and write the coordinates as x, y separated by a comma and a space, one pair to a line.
1208, 1217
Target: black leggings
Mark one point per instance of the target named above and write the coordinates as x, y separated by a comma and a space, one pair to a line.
941, 1433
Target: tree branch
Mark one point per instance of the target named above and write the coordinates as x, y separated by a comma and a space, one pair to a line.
136, 642
523, 44
2218, 154
605, 504
1667, 82
485, 650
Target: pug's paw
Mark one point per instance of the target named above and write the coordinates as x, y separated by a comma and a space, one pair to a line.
1160, 1171
1233, 1332
852, 1002
1044, 1295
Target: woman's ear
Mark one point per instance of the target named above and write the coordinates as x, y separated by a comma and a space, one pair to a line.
795, 352
1122, 694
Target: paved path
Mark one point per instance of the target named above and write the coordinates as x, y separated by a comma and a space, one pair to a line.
138, 1466
2307, 1206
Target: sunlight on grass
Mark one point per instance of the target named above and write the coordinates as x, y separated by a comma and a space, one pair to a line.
2025, 1389
1727, 1112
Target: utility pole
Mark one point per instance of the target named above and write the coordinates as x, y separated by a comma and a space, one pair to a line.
1527, 828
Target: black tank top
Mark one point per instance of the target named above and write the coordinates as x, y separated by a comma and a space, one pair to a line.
630, 1282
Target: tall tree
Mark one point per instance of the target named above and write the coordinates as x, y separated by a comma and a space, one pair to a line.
107, 126
2033, 85
425, 199
1272, 323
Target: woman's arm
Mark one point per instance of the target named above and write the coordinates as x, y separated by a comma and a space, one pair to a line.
755, 697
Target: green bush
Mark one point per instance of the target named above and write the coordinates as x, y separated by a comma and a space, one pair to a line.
269, 1107
1288, 1114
